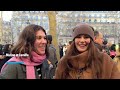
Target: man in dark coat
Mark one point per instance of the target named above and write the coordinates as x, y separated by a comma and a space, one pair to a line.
52, 56
98, 39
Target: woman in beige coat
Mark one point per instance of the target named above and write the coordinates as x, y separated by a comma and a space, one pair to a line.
83, 60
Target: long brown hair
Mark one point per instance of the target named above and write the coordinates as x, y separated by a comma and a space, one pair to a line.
26, 40
94, 59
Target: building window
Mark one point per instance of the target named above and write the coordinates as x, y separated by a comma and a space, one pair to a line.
89, 16
95, 20
31, 17
89, 20
83, 20
36, 18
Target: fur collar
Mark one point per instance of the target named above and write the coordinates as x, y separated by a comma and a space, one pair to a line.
78, 61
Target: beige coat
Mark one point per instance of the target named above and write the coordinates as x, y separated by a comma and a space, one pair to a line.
109, 68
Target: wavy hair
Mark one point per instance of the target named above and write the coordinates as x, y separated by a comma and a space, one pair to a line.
26, 40
94, 59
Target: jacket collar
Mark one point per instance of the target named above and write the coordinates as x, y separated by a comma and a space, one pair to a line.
78, 61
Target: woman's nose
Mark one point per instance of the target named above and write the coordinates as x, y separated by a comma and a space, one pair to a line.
44, 40
82, 39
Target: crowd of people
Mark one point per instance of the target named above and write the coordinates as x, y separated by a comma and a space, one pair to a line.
87, 56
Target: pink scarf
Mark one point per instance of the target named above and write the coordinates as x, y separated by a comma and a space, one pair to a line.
30, 71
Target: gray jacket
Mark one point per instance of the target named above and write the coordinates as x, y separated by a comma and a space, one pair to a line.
15, 71
52, 55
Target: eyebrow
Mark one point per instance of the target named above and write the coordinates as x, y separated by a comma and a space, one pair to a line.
41, 36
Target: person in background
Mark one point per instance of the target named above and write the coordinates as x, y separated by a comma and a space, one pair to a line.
68, 46
6, 50
83, 60
52, 57
28, 55
1, 52
112, 51
106, 49
2, 56
64, 49
98, 39
61, 50
117, 57
1, 46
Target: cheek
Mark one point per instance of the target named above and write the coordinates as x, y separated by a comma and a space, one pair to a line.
35, 44
87, 41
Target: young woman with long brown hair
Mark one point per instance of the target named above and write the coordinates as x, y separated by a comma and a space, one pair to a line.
83, 60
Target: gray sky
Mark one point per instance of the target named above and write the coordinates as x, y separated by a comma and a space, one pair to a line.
7, 15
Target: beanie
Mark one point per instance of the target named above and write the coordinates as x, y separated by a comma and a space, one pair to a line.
83, 29
49, 37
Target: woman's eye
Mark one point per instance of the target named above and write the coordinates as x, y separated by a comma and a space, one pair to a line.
38, 37
45, 37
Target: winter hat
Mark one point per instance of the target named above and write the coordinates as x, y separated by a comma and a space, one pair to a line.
49, 37
83, 29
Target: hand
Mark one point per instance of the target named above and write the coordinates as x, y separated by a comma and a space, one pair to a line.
50, 66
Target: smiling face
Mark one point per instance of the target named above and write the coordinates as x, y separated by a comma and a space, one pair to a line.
82, 42
40, 42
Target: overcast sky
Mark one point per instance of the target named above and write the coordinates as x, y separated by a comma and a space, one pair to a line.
7, 15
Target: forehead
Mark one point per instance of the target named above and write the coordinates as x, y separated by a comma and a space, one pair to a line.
40, 33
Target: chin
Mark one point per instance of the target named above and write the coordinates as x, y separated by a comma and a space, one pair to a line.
41, 53
82, 50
